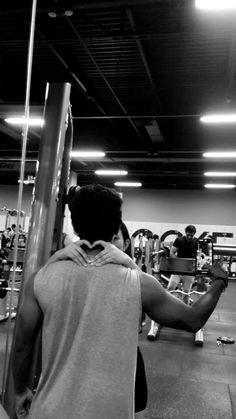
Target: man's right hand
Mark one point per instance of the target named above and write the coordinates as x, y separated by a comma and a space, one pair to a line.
217, 272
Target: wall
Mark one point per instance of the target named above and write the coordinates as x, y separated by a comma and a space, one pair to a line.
9, 196
162, 210
8, 199
188, 207
158, 210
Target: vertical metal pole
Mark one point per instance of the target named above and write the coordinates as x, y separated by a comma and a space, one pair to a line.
48, 178
63, 187
45, 198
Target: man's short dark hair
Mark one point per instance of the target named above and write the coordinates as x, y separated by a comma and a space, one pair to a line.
190, 229
95, 212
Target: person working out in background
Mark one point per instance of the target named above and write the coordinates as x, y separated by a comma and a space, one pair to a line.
88, 369
183, 247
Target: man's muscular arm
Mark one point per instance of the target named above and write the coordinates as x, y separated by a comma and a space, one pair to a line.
169, 311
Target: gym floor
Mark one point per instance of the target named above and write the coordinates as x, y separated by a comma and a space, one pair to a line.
185, 381
190, 382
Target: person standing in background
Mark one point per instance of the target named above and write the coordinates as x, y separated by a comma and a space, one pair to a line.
183, 247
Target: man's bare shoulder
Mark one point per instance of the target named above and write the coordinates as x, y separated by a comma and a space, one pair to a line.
147, 278
152, 292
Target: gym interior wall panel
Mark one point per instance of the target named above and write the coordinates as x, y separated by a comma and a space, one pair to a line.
161, 228
9, 197
156, 208
207, 207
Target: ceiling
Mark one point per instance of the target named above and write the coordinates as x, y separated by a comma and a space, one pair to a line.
142, 73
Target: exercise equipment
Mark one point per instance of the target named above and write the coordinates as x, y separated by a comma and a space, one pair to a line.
201, 286
4, 288
191, 267
224, 249
225, 339
199, 335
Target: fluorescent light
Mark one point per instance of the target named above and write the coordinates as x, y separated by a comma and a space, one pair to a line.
33, 122
219, 154
220, 174
128, 184
219, 186
87, 154
219, 118
111, 172
215, 4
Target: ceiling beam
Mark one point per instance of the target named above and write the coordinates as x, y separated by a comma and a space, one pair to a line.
8, 9
10, 132
144, 58
7, 110
105, 79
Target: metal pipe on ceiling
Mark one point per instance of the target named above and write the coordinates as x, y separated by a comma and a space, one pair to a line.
104, 78
144, 58
135, 116
86, 5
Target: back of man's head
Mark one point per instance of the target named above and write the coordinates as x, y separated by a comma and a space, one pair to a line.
95, 212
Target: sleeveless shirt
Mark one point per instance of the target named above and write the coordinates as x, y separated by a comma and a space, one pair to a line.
89, 341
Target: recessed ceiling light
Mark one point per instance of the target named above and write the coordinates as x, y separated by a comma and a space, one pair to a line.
87, 154
111, 172
128, 184
220, 154
20, 120
219, 118
220, 174
52, 14
219, 186
215, 4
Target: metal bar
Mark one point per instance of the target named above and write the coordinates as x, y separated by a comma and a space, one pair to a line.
86, 5
45, 197
11, 132
136, 116
157, 159
20, 192
63, 187
72, 74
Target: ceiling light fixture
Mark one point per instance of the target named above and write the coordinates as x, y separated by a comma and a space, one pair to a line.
219, 118
215, 4
128, 184
219, 186
220, 154
220, 174
20, 120
111, 172
87, 154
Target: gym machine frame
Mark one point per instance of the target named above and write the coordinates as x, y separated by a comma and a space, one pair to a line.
50, 189
187, 266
